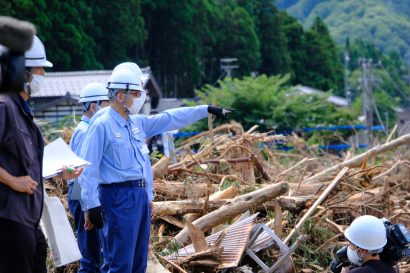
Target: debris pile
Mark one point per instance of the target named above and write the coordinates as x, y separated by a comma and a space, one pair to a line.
239, 205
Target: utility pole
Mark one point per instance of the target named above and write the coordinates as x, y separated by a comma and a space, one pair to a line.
408, 67
228, 64
367, 93
348, 95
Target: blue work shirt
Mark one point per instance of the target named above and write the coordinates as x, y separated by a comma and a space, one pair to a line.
117, 149
78, 137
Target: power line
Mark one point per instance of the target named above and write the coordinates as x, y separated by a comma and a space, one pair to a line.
392, 82
377, 85
378, 115
367, 89
348, 94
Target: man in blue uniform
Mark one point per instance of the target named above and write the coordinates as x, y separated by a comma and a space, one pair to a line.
115, 145
93, 97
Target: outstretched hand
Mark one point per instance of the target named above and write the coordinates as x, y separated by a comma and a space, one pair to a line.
219, 112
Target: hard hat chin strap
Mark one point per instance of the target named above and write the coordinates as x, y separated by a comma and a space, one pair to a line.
87, 106
124, 103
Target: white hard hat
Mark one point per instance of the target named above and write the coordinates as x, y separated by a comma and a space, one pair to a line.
125, 79
94, 91
36, 55
130, 66
367, 232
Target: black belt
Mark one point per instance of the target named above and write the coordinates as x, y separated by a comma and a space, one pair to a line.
140, 183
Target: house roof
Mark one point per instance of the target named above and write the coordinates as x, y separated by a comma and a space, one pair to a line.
168, 103
58, 84
339, 101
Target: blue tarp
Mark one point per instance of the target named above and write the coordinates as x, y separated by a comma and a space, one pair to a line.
333, 147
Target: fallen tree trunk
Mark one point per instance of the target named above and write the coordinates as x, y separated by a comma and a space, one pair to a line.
179, 190
358, 160
306, 189
161, 167
294, 204
228, 193
182, 207
237, 206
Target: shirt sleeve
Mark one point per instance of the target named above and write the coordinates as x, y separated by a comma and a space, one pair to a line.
173, 119
92, 151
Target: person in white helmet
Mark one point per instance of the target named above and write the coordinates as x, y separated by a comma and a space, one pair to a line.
117, 188
93, 96
24, 248
367, 237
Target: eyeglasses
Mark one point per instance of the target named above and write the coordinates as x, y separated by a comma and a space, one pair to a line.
135, 93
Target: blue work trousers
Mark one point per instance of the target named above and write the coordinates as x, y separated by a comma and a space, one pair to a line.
127, 220
88, 240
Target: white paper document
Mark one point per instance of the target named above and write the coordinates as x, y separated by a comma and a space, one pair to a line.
57, 154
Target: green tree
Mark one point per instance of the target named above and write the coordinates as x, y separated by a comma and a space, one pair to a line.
180, 38
297, 46
62, 26
275, 56
323, 68
237, 38
119, 31
272, 103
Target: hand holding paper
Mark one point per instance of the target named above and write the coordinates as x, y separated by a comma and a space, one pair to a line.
57, 155
71, 173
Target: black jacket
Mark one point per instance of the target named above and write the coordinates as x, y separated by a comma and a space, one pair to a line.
374, 266
21, 154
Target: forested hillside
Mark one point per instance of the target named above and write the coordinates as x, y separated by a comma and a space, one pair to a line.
183, 41
384, 22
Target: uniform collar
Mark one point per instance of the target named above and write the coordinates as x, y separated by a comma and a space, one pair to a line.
117, 117
85, 119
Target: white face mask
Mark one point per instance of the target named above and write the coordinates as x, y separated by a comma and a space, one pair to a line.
354, 256
36, 83
137, 104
